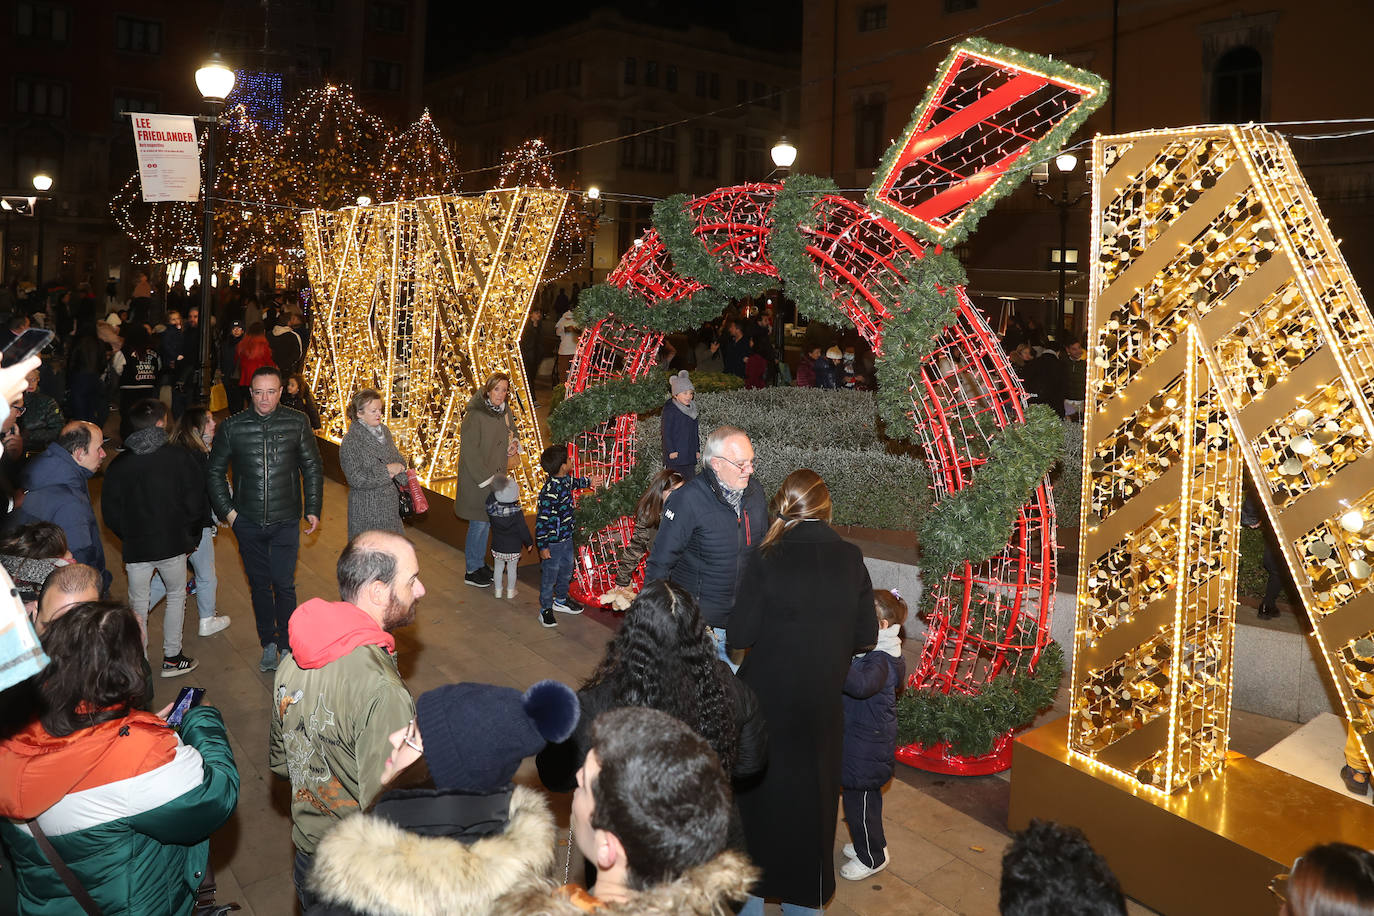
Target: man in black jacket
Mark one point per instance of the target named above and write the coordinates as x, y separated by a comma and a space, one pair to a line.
276, 465
711, 525
150, 500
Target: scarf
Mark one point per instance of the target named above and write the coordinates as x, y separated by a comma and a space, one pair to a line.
732, 496
689, 409
890, 641
377, 433
497, 409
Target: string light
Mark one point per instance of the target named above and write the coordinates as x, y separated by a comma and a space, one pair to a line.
529, 165
399, 314
417, 163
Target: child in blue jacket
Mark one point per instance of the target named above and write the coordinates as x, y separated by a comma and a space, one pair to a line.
553, 533
681, 430
870, 738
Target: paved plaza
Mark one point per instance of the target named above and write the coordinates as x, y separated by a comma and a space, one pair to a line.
946, 834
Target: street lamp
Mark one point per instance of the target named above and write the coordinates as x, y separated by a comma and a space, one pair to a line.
597, 211
42, 183
1064, 163
784, 154
215, 81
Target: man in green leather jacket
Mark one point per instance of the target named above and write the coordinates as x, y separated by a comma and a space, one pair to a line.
275, 462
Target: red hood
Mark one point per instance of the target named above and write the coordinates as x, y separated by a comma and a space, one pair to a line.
323, 631
37, 770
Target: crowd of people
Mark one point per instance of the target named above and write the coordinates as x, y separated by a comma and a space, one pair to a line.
748, 695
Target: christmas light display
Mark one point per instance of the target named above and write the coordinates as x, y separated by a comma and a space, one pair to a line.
418, 163
936, 356
530, 165
423, 300
1226, 332
260, 94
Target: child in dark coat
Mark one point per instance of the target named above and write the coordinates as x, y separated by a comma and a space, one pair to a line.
870, 738
681, 430
648, 515
510, 533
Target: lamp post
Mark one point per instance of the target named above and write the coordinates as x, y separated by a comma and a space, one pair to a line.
1064, 163
784, 154
215, 81
42, 183
597, 209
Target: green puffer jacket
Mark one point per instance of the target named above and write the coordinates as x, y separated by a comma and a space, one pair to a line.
128, 806
270, 456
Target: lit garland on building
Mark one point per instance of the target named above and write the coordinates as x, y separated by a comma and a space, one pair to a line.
260, 94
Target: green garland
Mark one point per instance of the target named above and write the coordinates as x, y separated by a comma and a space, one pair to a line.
970, 724
793, 211
594, 406
605, 300
1038, 151
675, 225
974, 523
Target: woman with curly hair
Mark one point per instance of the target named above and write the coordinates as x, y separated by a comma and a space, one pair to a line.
664, 658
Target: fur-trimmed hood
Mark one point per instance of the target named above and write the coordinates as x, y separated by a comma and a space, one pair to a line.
367, 864
706, 890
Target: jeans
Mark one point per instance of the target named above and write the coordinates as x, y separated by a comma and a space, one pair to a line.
475, 547
718, 637
300, 871
269, 559
88, 400
555, 573
207, 580
754, 907
173, 573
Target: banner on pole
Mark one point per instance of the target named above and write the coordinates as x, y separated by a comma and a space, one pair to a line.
168, 157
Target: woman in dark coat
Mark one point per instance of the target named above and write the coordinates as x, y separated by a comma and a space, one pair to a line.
804, 608
369, 460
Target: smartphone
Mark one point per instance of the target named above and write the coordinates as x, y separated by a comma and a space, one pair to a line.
188, 699
25, 345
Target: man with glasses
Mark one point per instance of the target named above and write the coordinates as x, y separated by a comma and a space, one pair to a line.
338, 697
711, 525
276, 465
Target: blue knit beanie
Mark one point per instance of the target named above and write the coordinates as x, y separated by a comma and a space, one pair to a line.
476, 735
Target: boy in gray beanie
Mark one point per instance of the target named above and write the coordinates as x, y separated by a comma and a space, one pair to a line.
681, 431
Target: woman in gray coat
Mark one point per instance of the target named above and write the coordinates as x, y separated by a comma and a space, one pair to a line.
486, 445
369, 459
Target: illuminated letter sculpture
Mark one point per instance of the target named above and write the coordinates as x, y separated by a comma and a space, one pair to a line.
424, 300
1225, 331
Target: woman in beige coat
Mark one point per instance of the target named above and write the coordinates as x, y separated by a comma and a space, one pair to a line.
487, 443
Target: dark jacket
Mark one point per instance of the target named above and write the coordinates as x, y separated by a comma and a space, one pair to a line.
509, 530
733, 353
702, 545
151, 498
57, 493
805, 608
870, 719
824, 372
681, 434
287, 349
272, 457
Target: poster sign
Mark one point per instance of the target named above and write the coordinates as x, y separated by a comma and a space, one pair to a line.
168, 157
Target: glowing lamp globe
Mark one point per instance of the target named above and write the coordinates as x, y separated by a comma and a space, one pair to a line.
214, 80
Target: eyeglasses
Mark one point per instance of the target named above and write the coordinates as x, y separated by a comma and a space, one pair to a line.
744, 467
411, 738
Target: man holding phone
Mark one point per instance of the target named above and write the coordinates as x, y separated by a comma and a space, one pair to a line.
276, 465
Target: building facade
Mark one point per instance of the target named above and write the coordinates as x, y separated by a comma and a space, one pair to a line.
68, 68
649, 111
1171, 63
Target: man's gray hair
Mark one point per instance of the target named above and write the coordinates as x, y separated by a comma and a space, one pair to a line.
364, 560
715, 443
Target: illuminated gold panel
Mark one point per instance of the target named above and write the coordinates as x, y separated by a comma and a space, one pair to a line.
1223, 328
424, 300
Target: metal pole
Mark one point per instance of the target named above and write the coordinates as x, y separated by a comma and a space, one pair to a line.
1064, 206
206, 259
38, 272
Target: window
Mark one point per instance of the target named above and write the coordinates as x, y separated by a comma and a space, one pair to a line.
653, 148
701, 84
651, 73
775, 99
741, 91
125, 100
386, 17
715, 85
1237, 83
574, 73
1070, 259
40, 98
873, 17
749, 158
705, 153
633, 220
384, 75
670, 78
869, 113
960, 6
141, 36
41, 21
630, 71
494, 95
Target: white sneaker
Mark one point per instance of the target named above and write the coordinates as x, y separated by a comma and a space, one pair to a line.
510, 594
496, 592
849, 852
209, 626
854, 870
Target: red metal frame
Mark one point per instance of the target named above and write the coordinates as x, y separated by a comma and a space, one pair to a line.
988, 619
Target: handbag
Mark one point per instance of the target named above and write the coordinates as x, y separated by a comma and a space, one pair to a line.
410, 493
219, 399
205, 894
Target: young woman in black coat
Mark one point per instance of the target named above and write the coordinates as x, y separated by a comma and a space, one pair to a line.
804, 608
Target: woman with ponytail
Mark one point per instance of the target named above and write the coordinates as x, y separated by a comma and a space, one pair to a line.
804, 608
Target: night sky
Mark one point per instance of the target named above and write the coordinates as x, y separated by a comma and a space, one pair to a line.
457, 31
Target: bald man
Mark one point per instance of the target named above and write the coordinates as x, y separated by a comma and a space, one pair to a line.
338, 695
56, 481
65, 587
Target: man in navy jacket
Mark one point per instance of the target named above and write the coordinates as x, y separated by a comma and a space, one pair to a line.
710, 526
55, 482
